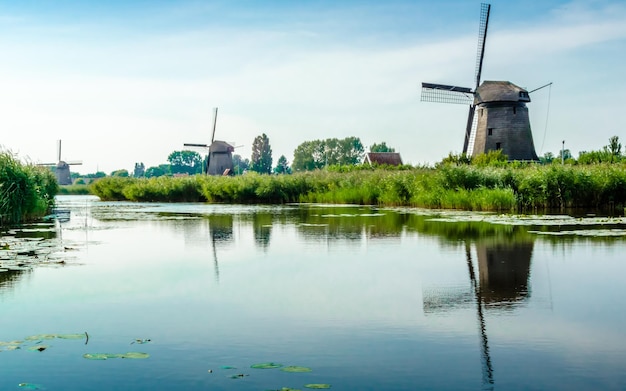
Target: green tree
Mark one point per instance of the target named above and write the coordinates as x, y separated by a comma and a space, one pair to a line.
120, 173
282, 167
139, 171
188, 162
565, 154
261, 160
240, 165
614, 149
547, 158
315, 154
382, 147
351, 151
162, 169
309, 156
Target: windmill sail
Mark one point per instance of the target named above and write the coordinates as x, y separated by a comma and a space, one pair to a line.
214, 124
442, 93
470, 133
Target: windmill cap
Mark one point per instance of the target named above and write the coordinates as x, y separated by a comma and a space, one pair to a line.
500, 91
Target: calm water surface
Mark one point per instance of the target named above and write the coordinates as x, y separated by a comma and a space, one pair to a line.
367, 298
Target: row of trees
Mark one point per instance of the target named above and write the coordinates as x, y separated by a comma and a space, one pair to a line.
309, 155
610, 153
317, 154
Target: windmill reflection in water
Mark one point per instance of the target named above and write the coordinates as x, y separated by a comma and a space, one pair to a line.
501, 282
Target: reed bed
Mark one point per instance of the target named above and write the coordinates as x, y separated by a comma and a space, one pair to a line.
489, 188
26, 191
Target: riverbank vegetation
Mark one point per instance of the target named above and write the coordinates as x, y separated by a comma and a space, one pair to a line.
495, 185
26, 191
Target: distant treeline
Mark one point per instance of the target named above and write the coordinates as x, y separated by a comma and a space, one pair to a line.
26, 191
505, 187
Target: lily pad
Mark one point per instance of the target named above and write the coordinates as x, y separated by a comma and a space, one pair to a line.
72, 336
10, 343
40, 336
30, 386
135, 355
317, 386
266, 365
294, 368
38, 348
99, 356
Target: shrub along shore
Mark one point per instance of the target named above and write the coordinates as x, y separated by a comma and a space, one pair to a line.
26, 191
510, 187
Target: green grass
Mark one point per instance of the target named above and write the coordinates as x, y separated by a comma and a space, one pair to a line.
489, 188
75, 189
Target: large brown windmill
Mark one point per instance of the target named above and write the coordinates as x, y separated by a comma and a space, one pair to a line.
62, 168
220, 156
498, 116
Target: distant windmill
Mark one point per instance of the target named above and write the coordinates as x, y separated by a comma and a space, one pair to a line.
62, 168
220, 157
498, 116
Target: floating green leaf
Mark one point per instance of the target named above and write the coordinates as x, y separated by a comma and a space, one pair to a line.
30, 386
72, 336
40, 336
266, 365
136, 355
99, 356
318, 386
293, 368
11, 343
227, 367
38, 348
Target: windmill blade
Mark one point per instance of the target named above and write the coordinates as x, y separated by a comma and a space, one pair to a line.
482, 38
74, 163
59, 156
214, 124
442, 93
468, 129
196, 145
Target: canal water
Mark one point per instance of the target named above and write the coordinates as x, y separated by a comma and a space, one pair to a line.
137, 296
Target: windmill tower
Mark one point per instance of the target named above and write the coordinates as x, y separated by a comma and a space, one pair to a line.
62, 168
220, 157
498, 116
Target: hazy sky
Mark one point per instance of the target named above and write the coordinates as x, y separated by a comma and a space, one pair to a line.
131, 81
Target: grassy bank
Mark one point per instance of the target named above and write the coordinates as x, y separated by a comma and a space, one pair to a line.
75, 190
464, 187
26, 191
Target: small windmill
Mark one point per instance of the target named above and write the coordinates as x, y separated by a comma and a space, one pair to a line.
220, 157
498, 116
62, 168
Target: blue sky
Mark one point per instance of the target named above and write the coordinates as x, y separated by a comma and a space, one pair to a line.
131, 81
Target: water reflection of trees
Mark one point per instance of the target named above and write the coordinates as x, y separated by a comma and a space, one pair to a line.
8, 279
262, 227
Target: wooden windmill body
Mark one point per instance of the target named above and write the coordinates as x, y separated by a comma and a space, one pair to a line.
220, 155
62, 168
498, 117
502, 121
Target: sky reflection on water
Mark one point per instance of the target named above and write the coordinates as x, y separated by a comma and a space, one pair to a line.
368, 298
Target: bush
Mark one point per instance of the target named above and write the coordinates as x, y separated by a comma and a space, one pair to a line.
26, 191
